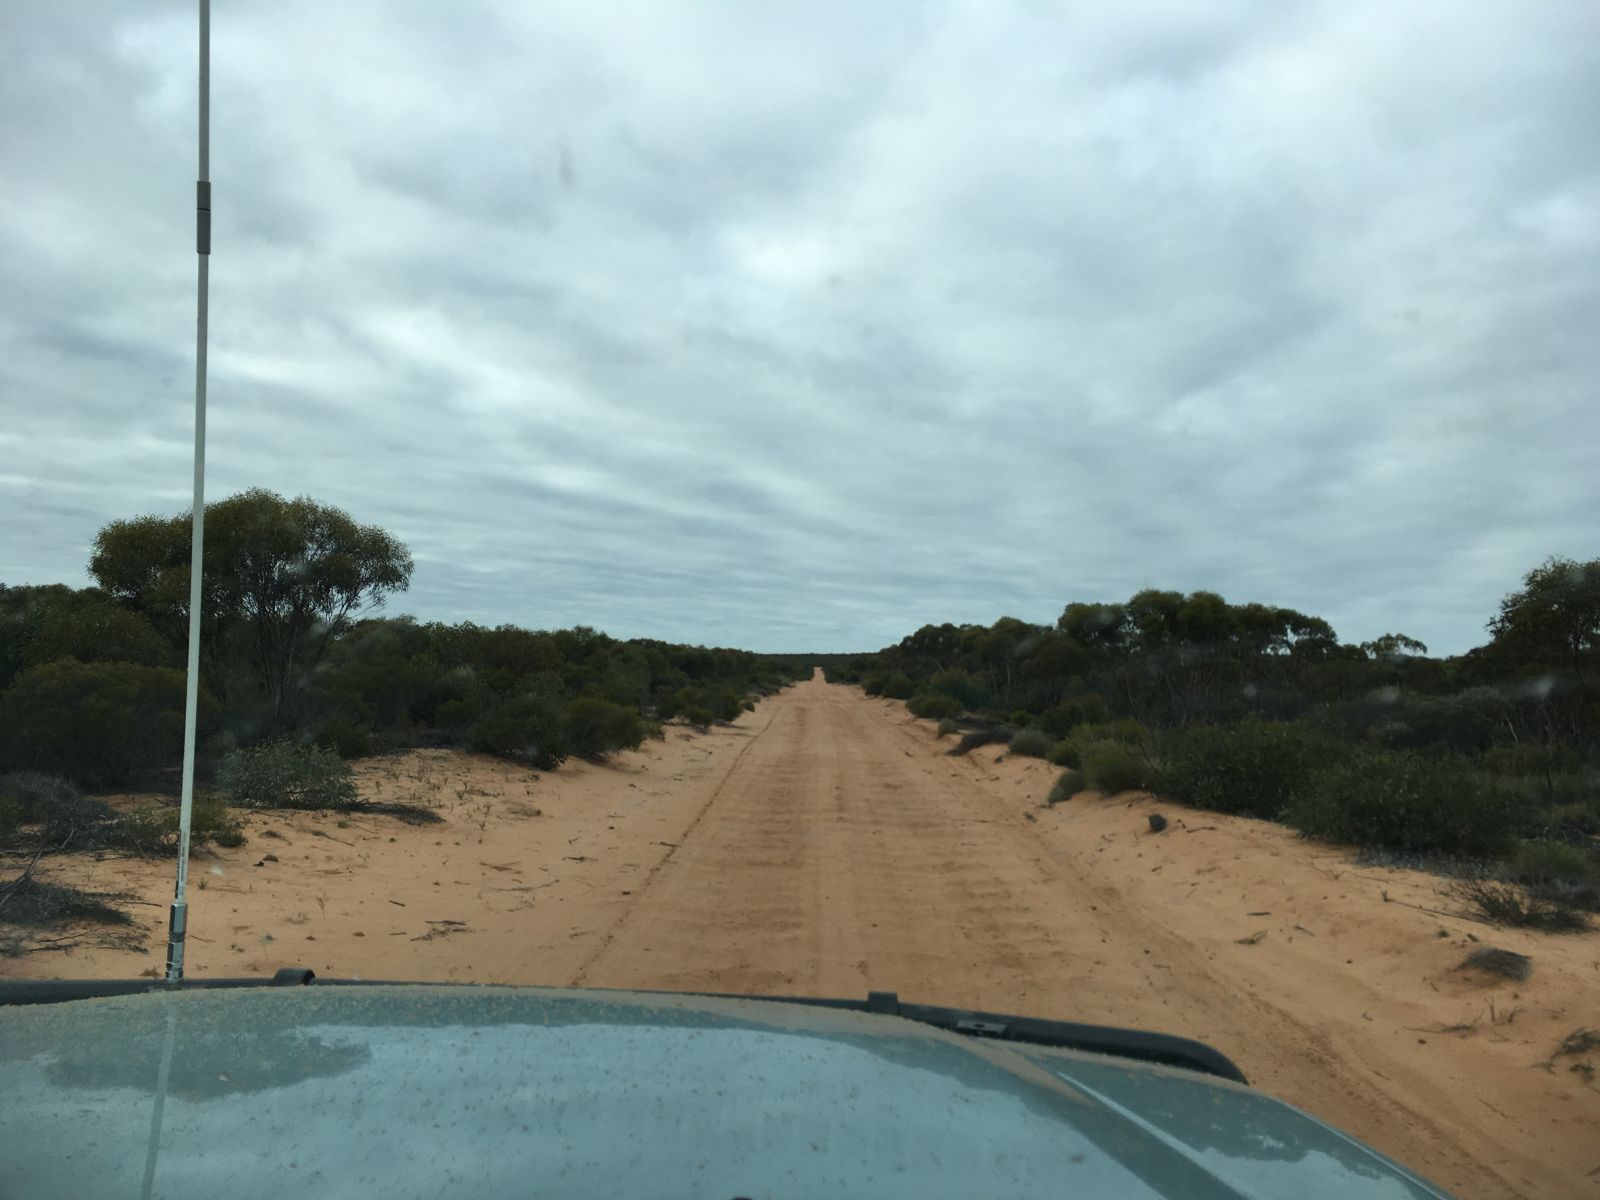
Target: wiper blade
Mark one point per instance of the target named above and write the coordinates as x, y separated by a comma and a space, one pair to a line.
1163, 1049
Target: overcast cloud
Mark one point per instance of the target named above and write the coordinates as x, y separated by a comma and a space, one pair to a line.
795, 327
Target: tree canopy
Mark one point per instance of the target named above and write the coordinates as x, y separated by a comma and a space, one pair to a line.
281, 579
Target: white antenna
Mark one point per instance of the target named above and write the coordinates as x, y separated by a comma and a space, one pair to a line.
177, 925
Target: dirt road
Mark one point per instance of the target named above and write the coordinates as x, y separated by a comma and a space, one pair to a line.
827, 845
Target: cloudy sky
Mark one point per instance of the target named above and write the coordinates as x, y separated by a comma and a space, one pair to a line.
796, 326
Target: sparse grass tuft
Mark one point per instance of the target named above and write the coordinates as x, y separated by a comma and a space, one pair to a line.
1504, 904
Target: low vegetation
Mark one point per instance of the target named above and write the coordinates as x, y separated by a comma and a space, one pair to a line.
1067, 785
990, 736
152, 828
91, 680
1490, 757
1505, 904
1031, 743
287, 774
934, 706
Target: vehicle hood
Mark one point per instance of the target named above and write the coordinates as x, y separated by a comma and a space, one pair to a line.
409, 1090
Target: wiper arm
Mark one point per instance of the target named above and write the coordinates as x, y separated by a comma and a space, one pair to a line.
1162, 1048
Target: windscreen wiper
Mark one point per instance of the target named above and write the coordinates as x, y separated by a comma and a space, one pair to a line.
1161, 1048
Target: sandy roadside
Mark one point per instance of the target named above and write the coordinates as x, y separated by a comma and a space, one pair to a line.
825, 845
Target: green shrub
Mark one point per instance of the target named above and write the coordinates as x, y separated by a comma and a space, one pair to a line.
934, 706
957, 684
1558, 872
455, 712
345, 737
1067, 786
1254, 768
873, 683
898, 687
598, 727
286, 774
97, 723
1407, 802
1068, 751
948, 726
1064, 753
529, 728
91, 627
1113, 767
1020, 718
699, 717
152, 829
1032, 743
726, 705
1080, 710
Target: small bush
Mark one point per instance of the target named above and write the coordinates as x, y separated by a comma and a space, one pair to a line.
1506, 905
898, 687
529, 728
948, 726
598, 727
1064, 753
1558, 872
1407, 802
699, 717
153, 828
1254, 768
287, 774
933, 706
1033, 743
1066, 787
345, 737
63, 814
1113, 767
726, 705
1020, 718
1080, 710
873, 683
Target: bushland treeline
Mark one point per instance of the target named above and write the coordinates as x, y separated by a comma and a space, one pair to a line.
1262, 710
91, 679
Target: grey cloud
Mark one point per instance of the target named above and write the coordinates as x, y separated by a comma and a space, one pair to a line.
800, 327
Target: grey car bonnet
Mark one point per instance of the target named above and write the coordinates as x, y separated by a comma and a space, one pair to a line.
399, 1091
